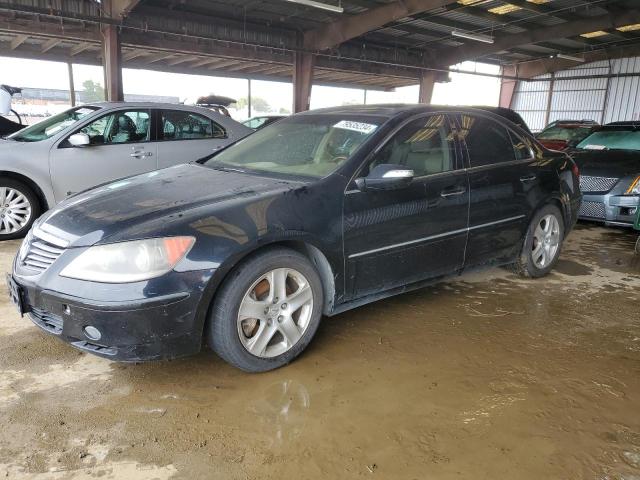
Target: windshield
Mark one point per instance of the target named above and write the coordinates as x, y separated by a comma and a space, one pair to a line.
49, 127
307, 145
567, 133
612, 140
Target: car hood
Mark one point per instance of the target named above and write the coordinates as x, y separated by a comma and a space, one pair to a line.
123, 206
607, 163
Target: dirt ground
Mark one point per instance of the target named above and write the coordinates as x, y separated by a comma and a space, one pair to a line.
487, 376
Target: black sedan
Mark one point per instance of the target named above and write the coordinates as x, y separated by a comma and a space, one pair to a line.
609, 162
319, 213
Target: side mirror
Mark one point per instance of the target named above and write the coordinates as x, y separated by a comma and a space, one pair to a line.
386, 177
79, 140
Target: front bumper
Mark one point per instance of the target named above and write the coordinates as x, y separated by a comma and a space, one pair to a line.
610, 208
154, 328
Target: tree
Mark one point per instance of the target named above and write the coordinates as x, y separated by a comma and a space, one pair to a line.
93, 91
258, 104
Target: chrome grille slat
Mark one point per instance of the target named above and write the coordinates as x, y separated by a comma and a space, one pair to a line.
43, 253
597, 184
40, 254
48, 248
40, 258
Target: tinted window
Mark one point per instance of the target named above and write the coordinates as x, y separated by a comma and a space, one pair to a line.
119, 127
520, 146
425, 146
180, 125
487, 141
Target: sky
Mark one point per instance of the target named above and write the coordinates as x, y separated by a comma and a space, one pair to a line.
464, 89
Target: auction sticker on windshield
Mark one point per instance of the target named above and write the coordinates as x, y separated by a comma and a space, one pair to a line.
360, 127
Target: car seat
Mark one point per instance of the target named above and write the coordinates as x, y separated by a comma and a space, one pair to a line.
125, 130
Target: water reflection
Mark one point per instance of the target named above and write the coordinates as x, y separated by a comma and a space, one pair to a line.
281, 409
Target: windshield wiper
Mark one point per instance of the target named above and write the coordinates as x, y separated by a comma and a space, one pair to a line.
228, 169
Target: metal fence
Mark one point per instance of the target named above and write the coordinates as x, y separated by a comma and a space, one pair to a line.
600, 95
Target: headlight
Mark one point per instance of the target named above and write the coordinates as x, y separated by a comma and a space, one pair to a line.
129, 261
634, 189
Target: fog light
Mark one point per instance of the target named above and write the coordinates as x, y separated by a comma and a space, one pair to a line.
92, 333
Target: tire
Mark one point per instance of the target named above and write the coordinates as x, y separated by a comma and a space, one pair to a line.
529, 263
267, 340
17, 221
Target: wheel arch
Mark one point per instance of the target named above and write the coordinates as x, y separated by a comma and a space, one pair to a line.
44, 206
312, 252
556, 201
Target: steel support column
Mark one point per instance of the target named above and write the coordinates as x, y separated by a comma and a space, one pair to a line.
112, 63
303, 64
72, 88
507, 86
427, 83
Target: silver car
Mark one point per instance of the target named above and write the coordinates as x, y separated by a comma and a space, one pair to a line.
85, 146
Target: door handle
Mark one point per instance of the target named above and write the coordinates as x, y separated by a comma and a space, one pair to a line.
528, 178
452, 192
141, 154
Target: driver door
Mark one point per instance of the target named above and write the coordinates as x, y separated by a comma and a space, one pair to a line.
120, 146
396, 237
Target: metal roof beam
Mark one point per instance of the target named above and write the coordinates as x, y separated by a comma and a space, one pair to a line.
345, 29
528, 70
49, 44
19, 40
564, 30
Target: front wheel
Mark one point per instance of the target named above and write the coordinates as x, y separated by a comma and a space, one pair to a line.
267, 311
19, 208
542, 243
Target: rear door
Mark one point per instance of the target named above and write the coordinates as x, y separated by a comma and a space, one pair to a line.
502, 181
121, 145
396, 237
185, 136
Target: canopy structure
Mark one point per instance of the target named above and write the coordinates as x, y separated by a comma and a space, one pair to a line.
373, 44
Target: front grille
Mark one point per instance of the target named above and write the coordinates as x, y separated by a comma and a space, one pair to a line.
592, 210
39, 254
47, 321
597, 184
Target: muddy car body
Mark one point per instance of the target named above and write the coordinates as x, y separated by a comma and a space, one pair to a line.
387, 202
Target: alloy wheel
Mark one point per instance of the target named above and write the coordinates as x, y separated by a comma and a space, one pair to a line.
15, 210
546, 241
275, 312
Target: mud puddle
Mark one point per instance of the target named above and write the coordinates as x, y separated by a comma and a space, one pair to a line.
487, 376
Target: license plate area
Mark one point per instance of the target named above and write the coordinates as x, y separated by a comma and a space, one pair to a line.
16, 295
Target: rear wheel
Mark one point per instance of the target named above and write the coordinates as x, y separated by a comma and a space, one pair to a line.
267, 311
19, 208
542, 243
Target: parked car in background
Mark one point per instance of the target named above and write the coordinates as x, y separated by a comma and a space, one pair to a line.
321, 212
609, 162
12, 122
217, 103
564, 134
262, 121
511, 115
85, 146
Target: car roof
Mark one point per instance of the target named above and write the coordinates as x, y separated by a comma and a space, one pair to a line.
394, 109
627, 123
145, 105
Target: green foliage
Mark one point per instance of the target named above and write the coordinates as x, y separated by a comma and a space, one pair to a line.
93, 91
258, 104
